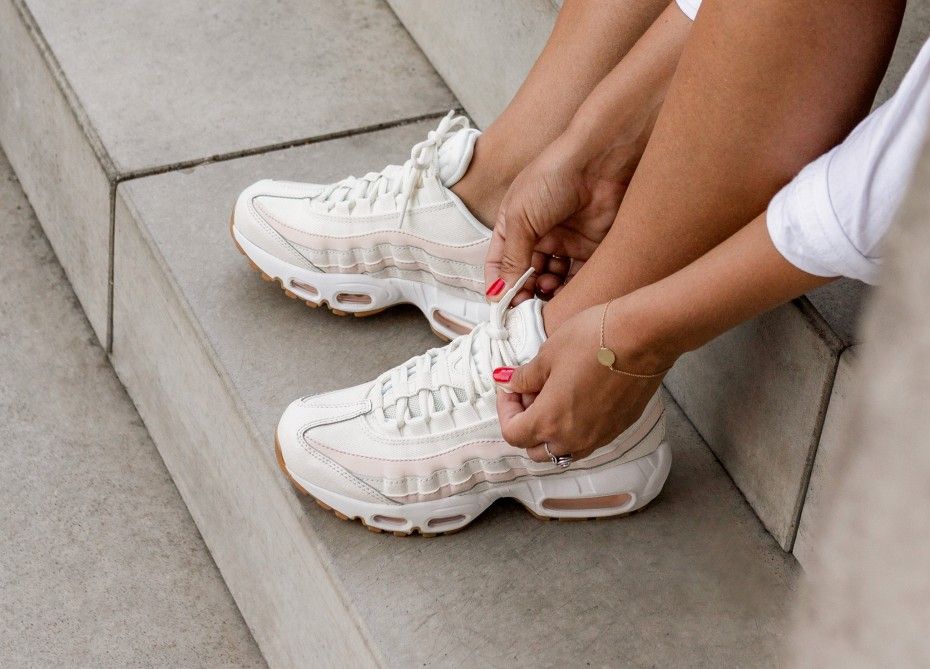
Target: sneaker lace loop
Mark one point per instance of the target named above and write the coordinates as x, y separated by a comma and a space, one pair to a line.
396, 180
413, 384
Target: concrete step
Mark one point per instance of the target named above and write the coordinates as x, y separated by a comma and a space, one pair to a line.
826, 464
81, 109
211, 355
119, 155
758, 394
100, 563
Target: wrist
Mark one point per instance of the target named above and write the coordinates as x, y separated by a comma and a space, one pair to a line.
641, 339
607, 140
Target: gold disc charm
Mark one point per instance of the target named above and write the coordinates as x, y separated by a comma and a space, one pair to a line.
606, 357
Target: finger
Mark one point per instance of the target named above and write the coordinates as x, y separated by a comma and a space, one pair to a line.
527, 399
558, 265
517, 424
528, 379
529, 288
516, 257
548, 283
538, 453
573, 269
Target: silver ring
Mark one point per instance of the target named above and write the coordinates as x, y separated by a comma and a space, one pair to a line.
562, 461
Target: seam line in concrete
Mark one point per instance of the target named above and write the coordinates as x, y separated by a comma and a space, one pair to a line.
820, 324
279, 146
824, 406
111, 255
232, 155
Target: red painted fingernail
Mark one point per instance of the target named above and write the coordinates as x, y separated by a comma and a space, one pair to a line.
495, 288
503, 374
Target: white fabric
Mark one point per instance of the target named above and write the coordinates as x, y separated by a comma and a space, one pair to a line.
689, 7
830, 220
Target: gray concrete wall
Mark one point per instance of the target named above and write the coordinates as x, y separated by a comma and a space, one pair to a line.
100, 562
868, 600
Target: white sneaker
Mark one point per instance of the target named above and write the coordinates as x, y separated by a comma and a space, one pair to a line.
419, 449
363, 244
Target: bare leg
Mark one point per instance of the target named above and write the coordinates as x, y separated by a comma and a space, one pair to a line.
588, 40
761, 89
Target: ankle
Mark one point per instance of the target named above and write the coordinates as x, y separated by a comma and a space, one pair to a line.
484, 184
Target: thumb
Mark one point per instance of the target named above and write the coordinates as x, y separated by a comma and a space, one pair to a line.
524, 380
510, 253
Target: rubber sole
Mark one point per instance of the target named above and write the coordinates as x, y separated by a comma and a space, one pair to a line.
660, 461
350, 294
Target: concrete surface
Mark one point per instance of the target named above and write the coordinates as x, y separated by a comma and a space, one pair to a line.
100, 562
205, 79
757, 395
211, 355
840, 303
827, 461
57, 163
95, 92
483, 49
867, 604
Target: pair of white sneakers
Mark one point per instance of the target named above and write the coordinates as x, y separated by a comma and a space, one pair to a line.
419, 449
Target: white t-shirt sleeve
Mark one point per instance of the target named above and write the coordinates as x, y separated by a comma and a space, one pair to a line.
689, 7
831, 219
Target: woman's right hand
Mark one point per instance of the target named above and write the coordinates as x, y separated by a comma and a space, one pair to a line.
555, 213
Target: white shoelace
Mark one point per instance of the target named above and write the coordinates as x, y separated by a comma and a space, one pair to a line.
396, 180
417, 395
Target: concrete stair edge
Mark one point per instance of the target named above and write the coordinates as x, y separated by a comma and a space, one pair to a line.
279, 595
54, 156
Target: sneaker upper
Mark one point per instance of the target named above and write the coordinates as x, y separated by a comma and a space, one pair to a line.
428, 428
401, 222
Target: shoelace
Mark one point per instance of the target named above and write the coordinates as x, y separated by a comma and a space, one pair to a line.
487, 346
397, 180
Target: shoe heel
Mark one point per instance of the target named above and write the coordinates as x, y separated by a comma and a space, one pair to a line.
610, 490
448, 327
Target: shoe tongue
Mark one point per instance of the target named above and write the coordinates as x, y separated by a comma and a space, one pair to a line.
524, 324
455, 155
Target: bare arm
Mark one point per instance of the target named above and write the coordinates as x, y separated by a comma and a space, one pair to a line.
565, 201
580, 405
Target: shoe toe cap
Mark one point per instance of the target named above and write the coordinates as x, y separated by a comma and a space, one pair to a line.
306, 463
262, 214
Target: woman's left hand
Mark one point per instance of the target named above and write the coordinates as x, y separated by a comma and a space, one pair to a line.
566, 399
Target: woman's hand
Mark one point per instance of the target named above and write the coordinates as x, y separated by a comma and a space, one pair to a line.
554, 215
565, 201
565, 398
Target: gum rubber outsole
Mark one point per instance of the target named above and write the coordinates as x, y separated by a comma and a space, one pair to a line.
309, 303
279, 456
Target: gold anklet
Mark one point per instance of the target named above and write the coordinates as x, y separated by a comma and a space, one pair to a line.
607, 357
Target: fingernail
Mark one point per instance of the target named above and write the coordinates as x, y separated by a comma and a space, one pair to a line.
495, 288
503, 374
